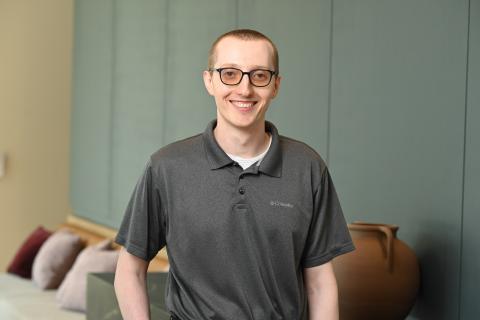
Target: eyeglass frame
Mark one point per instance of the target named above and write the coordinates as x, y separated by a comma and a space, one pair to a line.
219, 70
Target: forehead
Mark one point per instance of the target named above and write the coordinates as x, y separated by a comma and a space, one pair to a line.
244, 53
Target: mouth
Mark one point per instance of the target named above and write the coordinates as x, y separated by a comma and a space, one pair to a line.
243, 105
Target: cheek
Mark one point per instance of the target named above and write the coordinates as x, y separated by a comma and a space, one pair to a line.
224, 95
221, 98
268, 95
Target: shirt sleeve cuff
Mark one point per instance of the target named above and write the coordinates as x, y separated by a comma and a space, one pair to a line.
319, 260
132, 248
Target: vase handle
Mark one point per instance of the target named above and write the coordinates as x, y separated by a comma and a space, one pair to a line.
389, 237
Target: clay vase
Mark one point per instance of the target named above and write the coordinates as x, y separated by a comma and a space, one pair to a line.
380, 279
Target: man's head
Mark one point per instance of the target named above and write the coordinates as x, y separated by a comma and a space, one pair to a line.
246, 35
242, 77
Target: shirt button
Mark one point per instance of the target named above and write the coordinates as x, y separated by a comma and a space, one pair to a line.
241, 190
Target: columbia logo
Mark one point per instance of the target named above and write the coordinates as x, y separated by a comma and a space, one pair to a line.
281, 204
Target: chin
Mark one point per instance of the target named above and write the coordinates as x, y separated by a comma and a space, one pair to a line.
247, 124
239, 121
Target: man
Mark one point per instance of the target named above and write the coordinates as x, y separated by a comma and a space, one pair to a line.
250, 219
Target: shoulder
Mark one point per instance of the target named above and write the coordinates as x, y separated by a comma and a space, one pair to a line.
178, 149
178, 153
301, 161
298, 153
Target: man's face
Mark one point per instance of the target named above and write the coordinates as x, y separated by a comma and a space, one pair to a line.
242, 106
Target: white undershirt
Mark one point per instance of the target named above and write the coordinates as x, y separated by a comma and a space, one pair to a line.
247, 162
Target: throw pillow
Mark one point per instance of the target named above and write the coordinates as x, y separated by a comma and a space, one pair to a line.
22, 262
55, 258
99, 258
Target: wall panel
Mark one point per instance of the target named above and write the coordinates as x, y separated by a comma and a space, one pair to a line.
398, 85
91, 110
470, 308
139, 94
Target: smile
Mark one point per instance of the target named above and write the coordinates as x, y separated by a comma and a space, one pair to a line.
243, 104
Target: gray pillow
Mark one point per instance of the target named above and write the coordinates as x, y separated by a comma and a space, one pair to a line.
99, 258
55, 258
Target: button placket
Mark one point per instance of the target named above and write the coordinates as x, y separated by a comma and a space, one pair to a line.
242, 185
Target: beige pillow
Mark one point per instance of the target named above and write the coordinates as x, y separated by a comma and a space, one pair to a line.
55, 258
99, 258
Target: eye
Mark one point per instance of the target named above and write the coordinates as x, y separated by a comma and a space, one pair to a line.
229, 73
260, 75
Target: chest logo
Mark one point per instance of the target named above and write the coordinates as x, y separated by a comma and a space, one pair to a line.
276, 203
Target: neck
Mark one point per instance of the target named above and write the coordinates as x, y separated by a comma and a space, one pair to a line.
246, 143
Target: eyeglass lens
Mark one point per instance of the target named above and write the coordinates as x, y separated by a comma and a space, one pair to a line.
259, 77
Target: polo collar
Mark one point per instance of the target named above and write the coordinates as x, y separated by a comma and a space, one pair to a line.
270, 165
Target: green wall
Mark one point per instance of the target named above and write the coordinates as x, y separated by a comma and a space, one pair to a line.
379, 88
470, 262
397, 129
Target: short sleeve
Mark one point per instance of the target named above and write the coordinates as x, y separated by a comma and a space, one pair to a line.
142, 231
328, 234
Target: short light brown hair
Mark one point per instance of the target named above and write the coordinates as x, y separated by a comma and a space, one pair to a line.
243, 34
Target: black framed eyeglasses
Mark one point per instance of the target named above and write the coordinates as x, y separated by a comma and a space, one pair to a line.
233, 76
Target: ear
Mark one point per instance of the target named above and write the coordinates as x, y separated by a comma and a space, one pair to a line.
276, 87
207, 80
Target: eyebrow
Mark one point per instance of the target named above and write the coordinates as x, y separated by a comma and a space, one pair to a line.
233, 65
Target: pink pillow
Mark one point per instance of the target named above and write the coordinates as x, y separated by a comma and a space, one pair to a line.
21, 264
99, 258
55, 258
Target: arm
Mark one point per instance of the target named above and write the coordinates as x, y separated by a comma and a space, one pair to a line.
322, 292
131, 287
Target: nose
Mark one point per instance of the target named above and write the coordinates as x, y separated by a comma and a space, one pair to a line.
245, 87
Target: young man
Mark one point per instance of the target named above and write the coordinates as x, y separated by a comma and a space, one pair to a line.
250, 218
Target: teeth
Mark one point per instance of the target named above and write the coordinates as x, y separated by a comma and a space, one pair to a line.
243, 104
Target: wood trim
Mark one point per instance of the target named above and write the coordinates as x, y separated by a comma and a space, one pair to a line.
91, 226
92, 232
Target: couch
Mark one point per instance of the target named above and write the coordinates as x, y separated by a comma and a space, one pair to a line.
21, 299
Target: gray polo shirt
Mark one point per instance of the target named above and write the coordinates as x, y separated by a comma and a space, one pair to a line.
237, 240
